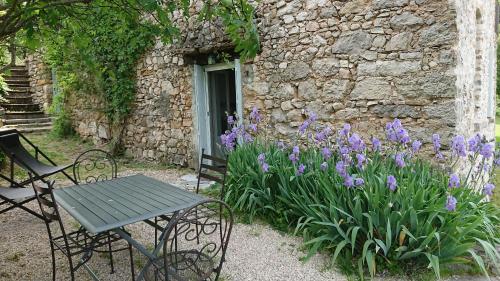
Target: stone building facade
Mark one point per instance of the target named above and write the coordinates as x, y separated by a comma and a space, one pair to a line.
431, 63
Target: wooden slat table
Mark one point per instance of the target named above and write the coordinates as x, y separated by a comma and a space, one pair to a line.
113, 204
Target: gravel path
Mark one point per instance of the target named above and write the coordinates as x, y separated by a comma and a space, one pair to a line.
256, 252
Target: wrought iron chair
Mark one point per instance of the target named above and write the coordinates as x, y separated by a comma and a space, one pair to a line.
77, 243
211, 168
92, 166
16, 197
10, 144
194, 244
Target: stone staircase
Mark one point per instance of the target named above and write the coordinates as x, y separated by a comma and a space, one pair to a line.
20, 110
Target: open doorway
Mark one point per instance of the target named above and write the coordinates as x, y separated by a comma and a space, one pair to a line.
217, 93
222, 101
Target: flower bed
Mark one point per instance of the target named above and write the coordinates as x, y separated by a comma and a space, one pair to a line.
374, 205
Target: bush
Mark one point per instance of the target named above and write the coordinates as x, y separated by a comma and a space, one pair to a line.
380, 206
62, 126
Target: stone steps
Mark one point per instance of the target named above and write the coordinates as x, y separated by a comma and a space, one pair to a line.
15, 83
19, 99
27, 107
24, 114
20, 110
42, 120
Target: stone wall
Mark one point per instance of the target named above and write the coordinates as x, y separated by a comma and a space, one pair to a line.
362, 61
476, 67
41, 80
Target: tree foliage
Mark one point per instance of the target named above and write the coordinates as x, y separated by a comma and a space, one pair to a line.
96, 49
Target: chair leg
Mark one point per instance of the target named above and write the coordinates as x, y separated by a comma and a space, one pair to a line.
132, 269
53, 254
156, 232
111, 254
71, 269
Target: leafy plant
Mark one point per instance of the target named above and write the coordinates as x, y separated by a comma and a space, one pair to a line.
97, 54
376, 207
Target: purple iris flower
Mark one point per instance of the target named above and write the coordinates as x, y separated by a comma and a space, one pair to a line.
348, 181
265, 167
327, 154
303, 127
392, 183
253, 127
344, 150
359, 182
247, 137
415, 146
296, 150
346, 129
488, 189
261, 158
320, 136
361, 160
400, 160
356, 142
474, 143
376, 144
454, 181
436, 141
396, 133
262, 161
486, 150
324, 166
229, 139
230, 120
451, 203
496, 162
281, 145
300, 170
293, 157
405, 137
341, 168
458, 146
312, 116
255, 115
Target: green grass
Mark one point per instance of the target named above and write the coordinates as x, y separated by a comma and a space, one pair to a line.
496, 180
497, 129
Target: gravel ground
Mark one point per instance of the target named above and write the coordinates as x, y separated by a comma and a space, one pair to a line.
256, 252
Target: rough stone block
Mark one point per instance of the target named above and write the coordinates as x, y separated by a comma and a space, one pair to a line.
406, 19
385, 4
371, 88
388, 68
352, 42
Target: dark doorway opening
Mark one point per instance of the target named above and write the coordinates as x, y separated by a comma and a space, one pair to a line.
222, 102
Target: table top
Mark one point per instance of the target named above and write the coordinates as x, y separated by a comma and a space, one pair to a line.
111, 204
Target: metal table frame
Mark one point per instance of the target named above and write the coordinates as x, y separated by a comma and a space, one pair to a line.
113, 204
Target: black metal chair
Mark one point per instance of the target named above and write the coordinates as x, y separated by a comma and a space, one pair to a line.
10, 144
194, 244
211, 168
16, 197
92, 166
73, 244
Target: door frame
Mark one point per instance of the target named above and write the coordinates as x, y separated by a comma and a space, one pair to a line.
201, 101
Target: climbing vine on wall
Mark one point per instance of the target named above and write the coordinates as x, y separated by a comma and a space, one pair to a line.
98, 53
